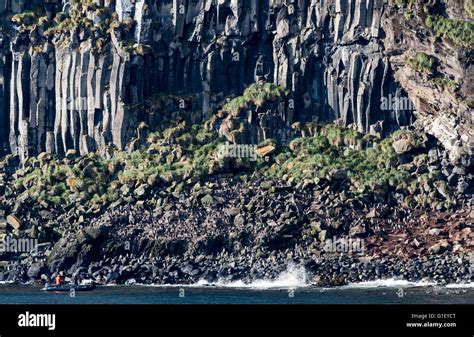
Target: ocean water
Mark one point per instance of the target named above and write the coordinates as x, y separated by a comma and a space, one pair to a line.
291, 287
378, 292
28, 294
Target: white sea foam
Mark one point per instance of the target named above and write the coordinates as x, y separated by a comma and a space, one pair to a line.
293, 277
461, 285
390, 283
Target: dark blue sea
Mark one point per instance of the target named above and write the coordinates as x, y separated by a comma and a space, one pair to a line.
206, 294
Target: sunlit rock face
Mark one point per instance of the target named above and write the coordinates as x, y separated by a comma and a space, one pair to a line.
447, 116
78, 88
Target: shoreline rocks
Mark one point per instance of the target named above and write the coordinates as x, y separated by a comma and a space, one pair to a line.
250, 233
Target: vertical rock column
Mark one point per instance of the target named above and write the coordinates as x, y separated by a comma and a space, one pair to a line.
19, 104
3, 105
38, 104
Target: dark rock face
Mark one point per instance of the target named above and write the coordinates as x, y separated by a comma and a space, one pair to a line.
61, 92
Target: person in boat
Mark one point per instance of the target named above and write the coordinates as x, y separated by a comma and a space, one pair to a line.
59, 279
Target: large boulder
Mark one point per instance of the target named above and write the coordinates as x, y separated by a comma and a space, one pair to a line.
35, 271
402, 145
14, 221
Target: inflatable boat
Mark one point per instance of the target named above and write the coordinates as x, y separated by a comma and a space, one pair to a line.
68, 287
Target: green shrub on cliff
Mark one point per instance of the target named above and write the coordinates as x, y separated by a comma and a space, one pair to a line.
459, 31
261, 92
256, 94
179, 155
25, 18
423, 63
373, 169
27, 21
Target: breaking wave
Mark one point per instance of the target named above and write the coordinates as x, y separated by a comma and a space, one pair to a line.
390, 283
461, 285
296, 277
293, 277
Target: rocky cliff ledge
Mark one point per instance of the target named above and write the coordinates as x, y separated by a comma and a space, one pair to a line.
73, 70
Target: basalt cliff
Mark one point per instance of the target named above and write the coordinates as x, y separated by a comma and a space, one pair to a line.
72, 71
124, 127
